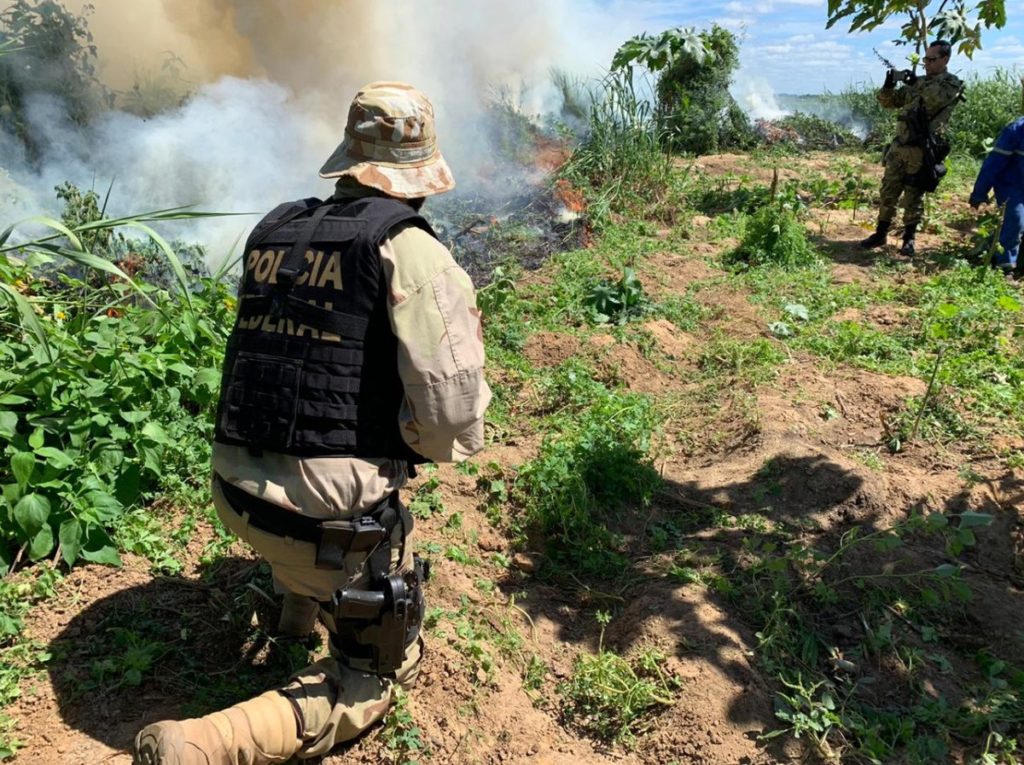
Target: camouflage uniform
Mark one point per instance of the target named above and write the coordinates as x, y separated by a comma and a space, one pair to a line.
903, 158
389, 149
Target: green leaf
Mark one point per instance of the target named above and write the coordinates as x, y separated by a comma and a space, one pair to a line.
42, 543
56, 457
8, 424
797, 311
1008, 303
946, 570
37, 439
947, 310
105, 506
23, 464
974, 520
29, 320
70, 536
135, 415
12, 400
152, 458
888, 542
31, 513
154, 431
106, 555
209, 377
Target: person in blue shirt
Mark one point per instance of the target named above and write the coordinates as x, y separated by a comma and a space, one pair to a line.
1003, 172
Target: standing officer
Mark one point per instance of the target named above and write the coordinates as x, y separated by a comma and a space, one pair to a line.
357, 353
926, 104
1003, 172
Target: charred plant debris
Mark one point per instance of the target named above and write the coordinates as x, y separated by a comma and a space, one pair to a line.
513, 210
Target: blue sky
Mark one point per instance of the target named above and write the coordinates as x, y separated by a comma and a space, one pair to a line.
785, 45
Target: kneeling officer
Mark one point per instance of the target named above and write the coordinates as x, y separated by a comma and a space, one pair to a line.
357, 353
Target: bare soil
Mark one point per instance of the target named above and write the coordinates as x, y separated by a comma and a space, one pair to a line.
814, 429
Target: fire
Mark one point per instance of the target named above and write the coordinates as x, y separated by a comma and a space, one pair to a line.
569, 196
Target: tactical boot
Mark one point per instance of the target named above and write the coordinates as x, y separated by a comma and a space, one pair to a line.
877, 239
261, 731
907, 250
298, 616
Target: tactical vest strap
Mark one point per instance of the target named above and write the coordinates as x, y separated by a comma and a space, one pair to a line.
301, 312
292, 264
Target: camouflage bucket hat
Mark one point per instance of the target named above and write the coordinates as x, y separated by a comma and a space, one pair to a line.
390, 144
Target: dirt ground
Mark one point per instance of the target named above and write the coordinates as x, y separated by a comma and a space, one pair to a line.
483, 714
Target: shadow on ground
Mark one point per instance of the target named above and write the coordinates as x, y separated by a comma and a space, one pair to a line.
171, 648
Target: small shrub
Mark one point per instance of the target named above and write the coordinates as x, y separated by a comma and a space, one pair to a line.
617, 302
773, 235
612, 699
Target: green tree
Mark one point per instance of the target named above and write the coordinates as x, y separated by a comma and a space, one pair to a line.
953, 21
692, 71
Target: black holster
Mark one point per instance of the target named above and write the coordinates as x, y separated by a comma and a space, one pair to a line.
377, 624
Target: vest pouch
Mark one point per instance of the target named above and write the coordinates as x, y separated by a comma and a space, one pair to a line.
260, 400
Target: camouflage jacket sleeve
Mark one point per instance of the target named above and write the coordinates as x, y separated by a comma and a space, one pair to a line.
894, 98
432, 306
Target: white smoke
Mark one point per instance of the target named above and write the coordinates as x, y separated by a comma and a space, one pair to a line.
246, 143
756, 97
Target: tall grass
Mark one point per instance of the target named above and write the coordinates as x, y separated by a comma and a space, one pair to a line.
620, 159
990, 104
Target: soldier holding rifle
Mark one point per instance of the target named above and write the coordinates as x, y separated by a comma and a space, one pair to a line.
913, 161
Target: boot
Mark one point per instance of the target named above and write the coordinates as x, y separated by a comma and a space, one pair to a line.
907, 250
261, 731
877, 239
298, 616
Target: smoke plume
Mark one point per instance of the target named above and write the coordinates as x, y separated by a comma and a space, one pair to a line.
270, 84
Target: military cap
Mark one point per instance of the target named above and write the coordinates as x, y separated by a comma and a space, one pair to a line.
390, 143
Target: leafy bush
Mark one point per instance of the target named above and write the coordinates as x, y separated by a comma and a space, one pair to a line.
595, 461
110, 403
620, 159
699, 114
611, 698
773, 235
48, 51
618, 301
106, 387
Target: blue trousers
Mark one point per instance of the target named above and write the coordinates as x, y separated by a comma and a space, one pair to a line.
1009, 234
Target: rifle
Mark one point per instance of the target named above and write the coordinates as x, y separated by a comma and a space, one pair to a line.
898, 75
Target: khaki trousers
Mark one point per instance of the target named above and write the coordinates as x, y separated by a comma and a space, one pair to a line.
338, 701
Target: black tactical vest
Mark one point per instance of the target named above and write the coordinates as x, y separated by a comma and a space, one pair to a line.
311, 367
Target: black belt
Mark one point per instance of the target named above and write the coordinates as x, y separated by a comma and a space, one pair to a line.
332, 538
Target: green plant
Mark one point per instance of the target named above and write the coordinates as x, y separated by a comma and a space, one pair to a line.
620, 160
402, 737
612, 699
427, 499
773, 235
47, 50
617, 302
595, 459
950, 23
107, 388
692, 71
